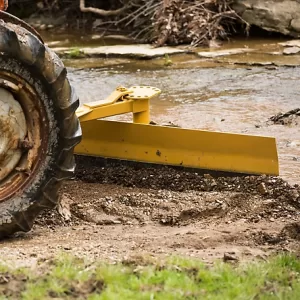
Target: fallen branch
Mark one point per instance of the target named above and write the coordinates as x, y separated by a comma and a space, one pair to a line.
100, 12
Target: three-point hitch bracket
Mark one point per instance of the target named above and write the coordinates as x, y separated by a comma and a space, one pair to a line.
135, 99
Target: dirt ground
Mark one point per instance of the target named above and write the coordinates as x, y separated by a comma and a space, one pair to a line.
119, 211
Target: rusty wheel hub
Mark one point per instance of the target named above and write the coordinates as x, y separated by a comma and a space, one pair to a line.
23, 134
13, 130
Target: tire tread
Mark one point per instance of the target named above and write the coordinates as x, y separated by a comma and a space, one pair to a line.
31, 51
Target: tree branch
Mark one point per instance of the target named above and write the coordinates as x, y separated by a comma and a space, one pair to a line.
100, 12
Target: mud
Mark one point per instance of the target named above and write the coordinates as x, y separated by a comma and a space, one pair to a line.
12, 286
170, 196
113, 212
173, 208
120, 212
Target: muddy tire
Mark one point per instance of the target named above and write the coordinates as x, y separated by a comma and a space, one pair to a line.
37, 80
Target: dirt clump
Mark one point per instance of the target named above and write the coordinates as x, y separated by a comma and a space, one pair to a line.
12, 285
94, 170
291, 231
290, 118
130, 195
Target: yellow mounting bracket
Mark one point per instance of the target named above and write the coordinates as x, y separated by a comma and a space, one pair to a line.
135, 99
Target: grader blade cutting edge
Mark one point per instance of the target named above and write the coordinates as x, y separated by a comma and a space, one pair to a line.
165, 145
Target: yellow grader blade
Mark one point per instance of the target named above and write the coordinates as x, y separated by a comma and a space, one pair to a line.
162, 145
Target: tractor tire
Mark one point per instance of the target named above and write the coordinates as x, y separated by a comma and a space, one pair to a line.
34, 79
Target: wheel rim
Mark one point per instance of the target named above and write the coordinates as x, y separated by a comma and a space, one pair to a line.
23, 134
13, 131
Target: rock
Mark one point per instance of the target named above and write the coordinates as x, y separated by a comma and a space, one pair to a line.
207, 176
254, 63
119, 38
295, 195
262, 189
292, 43
99, 217
63, 207
217, 53
272, 68
291, 50
273, 15
213, 183
295, 23
230, 256
43, 27
53, 43
97, 37
132, 51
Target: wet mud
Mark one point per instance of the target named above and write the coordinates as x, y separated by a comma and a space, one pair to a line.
171, 197
111, 211
119, 211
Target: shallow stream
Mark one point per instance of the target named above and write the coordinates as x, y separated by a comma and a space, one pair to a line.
208, 94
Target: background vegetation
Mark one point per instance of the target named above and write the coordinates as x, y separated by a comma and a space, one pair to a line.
160, 22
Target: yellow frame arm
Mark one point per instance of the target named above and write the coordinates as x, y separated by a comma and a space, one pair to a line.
121, 101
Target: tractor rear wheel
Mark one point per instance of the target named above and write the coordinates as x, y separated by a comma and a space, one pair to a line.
38, 128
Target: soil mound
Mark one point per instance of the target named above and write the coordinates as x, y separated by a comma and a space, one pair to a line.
121, 194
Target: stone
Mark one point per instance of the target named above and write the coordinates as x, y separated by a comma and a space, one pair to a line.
295, 24
291, 50
272, 15
207, 176
262, 189
295, 195
63, 207
218, 53
131, 51
291, 43
230, 256
43, 27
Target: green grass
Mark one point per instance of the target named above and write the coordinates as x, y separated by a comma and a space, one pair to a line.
74, 53
174, 278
